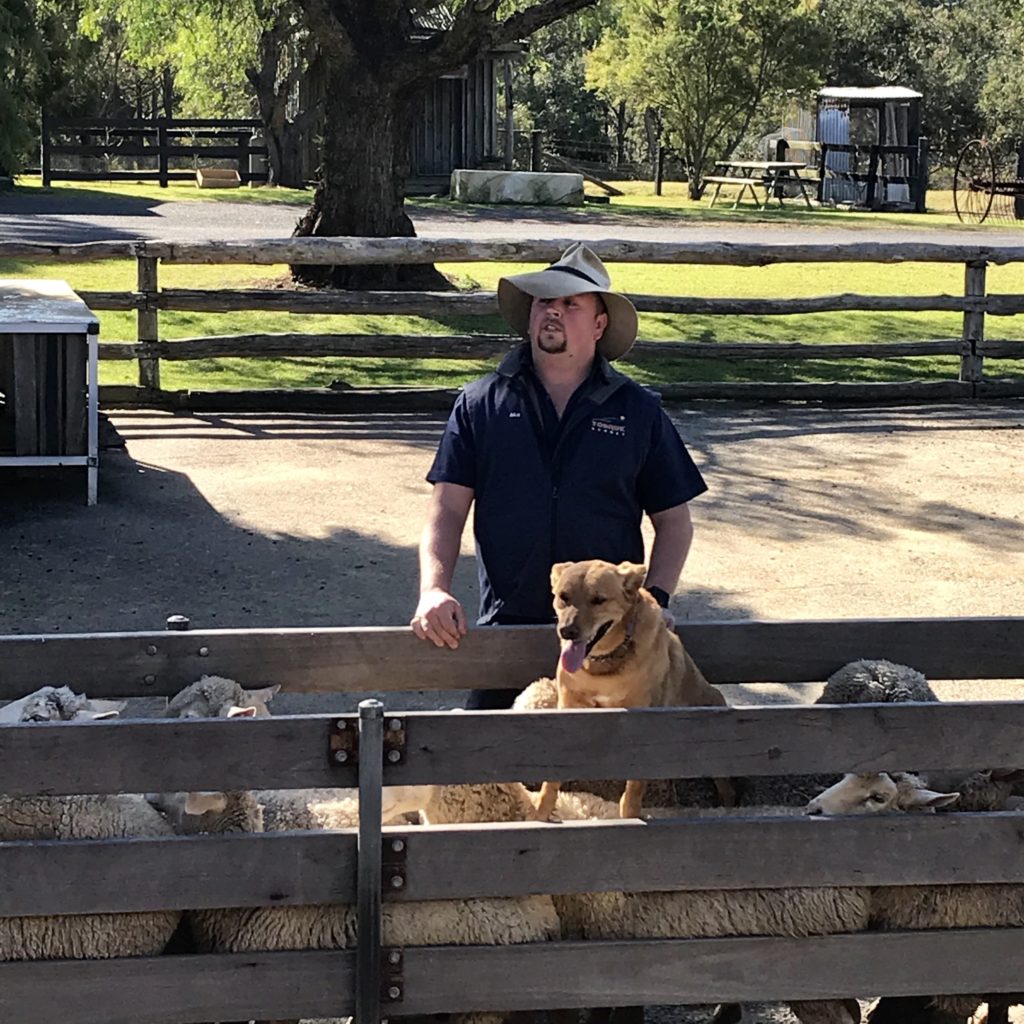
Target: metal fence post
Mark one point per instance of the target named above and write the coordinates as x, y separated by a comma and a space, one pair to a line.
148, 322
369, 870
974, 325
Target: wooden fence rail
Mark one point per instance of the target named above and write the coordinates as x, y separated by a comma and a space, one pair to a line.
161, 139
148, 299
458, 862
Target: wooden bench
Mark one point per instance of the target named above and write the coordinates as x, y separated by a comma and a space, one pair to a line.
718, 180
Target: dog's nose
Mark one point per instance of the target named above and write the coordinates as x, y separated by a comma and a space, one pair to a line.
812, 808
570, 632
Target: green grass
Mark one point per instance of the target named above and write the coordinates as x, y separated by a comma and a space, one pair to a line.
768, 282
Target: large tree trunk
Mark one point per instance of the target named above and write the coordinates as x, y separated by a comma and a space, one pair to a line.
363, 173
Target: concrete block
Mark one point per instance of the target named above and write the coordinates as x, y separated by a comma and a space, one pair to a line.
532, 188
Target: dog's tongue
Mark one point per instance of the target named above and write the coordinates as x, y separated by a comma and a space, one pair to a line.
573, 654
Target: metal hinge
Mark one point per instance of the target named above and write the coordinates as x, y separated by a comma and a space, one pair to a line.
393, 857
343, 743
394, 741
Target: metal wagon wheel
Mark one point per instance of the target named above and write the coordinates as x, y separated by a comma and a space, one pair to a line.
974, 182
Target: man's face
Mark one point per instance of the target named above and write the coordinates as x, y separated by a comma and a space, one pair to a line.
571, 325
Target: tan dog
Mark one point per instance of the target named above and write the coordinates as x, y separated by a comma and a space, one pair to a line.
617, 652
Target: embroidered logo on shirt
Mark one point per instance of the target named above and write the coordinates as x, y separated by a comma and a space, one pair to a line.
514, 415
610, 425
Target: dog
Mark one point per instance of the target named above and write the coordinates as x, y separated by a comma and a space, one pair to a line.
618, 652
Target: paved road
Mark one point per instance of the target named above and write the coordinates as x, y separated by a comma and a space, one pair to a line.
78, 216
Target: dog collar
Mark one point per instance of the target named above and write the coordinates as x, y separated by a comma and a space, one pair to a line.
625, 647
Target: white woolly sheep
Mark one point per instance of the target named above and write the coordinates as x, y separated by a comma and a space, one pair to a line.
79, 936
441, 922
913, 907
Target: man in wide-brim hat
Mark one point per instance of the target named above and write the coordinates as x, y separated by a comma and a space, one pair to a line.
562, 456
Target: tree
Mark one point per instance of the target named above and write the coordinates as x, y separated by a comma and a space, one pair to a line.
375, 61
20, 52
710, 68
229, 59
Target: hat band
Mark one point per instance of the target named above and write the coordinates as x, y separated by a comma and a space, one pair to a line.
575, 273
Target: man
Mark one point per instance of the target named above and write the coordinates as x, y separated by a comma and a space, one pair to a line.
562, 455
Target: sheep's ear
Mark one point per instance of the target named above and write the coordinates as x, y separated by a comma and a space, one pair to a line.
922, 798
200, 803
236, 712
1008, 774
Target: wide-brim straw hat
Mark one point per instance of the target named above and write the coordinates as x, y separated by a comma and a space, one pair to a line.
578, 270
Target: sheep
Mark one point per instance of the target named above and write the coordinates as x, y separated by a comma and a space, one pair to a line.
686, 914
458, 922
913, 907
116, 816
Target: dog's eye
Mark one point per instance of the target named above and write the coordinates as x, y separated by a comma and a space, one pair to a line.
563, 597
597, 599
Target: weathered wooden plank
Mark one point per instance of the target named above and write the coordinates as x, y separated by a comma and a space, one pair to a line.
685, 971
27, 384
485, 303
281, 869
490, 346
1001, 348
179, 989
289, 752
113, 300
170, 756
347, 251
163, 990
81, 252
696, 742
391, 658
181, 873
706, 853
999, 388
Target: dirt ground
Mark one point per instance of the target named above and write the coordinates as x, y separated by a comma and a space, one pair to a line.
244, 521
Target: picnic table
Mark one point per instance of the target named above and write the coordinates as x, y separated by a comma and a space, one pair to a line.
753, 174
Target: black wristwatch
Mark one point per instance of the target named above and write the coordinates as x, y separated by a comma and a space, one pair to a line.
659, 595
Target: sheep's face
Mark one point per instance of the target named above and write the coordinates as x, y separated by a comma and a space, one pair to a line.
878, 793
59, 704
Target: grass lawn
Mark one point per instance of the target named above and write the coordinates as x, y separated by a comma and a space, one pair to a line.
769, 282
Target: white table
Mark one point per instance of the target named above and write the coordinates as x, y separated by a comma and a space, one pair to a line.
49, 342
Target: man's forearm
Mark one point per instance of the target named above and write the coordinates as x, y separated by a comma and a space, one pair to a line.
439, 549
673, 534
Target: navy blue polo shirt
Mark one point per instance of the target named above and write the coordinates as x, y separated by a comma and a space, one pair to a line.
550, 490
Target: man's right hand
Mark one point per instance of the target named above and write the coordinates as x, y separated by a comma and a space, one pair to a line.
439, 618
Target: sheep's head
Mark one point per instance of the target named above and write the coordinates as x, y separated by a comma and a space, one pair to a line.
218, 697
59, 704
879, 793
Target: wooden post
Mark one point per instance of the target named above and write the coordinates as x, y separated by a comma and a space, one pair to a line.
243, 158
1018, 199
510, 134
920, 185
369, 869
870, 198
44, 148
537, 149
974, 325
821, 173
659, 167
161, 143
148, 322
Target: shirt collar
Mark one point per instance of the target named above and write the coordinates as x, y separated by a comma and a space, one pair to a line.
602, 381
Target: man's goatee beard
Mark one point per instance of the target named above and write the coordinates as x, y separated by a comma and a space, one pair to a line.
551, 347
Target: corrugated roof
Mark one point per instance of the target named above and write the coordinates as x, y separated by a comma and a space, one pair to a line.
874, 92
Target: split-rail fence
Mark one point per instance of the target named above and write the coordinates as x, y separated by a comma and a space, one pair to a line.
975, 351
386, 744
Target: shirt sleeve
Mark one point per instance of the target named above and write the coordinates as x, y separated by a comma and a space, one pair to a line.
455, 461
668, 476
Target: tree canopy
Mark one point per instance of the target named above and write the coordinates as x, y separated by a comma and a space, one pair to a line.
713, 69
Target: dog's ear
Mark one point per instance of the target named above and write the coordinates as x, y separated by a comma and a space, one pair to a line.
632, 576
556, 574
